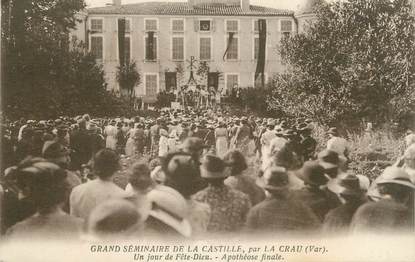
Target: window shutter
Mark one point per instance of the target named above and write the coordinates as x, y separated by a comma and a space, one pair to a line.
196, 25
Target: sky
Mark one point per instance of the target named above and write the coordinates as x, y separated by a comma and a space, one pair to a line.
281, 4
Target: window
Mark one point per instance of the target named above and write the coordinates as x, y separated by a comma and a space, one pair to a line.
205, 25
205, 48
151, 24
286, 27
232, 53
177, 25
97, 25
232, 26
151, 84
232, 80
127, 25
178, 48
151, 53
96, 47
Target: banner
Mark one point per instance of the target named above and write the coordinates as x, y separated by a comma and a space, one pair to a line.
260, 68
230, 40
121, 41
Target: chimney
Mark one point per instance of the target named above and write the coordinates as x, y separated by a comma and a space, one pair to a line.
245, 5
116, 2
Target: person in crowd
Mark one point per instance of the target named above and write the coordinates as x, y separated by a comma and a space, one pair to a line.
81, 152
181, 173
221, 136
352, 197
114, 219
266, 138
308, 143
46, 183
338, 145
409, 138
140, 184
243, 136
140, 138
312, 195
163, 142
87, 196
56, 153
155, 137
25, 147
96, 139
110, 132
280, 213
130, 145
121, 140
222, 198
395, 209
238, 180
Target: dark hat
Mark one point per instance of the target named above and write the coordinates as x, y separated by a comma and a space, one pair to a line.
274, 178
333, 131
212, 167
52, 149
313, 174
347, 185
236, 160
328, 159
179, 165
193, 144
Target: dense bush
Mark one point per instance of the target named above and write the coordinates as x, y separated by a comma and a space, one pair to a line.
357, 60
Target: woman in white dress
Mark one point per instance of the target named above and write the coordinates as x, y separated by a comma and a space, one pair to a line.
221, 136
111, 132
130, 145
163, 142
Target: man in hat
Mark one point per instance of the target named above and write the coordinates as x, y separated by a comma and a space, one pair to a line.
80, 145
58, 154
394, 212
46, 183
279, 212
338, 144
352, 196
312, 195
229, 207
308, 143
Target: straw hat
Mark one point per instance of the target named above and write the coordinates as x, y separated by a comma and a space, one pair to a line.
395, 175
171, 208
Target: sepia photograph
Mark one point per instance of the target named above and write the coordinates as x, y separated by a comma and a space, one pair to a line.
207, 130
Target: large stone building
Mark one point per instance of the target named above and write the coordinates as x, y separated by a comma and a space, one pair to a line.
181, 30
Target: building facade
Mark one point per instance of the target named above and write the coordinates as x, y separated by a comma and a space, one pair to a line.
180, 31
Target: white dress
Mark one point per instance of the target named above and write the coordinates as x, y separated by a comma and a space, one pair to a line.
111, 133
130, 145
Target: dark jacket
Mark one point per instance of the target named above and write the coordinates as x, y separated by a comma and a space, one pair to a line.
339, 219
281, 215
320, 201
383, 216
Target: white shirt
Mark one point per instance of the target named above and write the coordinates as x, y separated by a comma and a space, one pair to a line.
84, 198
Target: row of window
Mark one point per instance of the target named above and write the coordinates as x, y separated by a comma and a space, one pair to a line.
178, 25
151, 82
177, 48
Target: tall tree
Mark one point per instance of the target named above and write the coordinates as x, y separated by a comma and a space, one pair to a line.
356, 60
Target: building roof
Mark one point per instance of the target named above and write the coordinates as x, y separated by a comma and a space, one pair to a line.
184, 9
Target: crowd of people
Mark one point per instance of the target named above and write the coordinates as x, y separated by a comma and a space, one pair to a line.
194, 174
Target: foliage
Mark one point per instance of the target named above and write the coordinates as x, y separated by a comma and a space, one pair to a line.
357, 60
128, 77
47, 74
